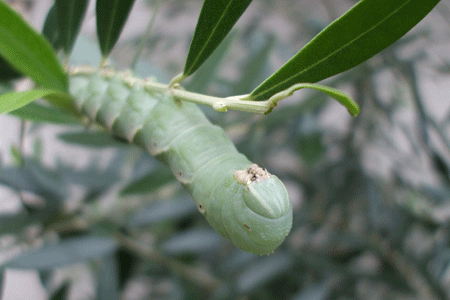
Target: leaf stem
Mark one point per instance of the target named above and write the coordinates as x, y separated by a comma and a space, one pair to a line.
341, 97
176, 80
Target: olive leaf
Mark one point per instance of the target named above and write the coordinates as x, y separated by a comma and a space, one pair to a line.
96, 139
65, 252
7, 72
111, 17
149, 183
108, 277
15, 100
48, 114
200, 81
51, 30
70, 13
28, 51
214, 23
366, 29
341, 97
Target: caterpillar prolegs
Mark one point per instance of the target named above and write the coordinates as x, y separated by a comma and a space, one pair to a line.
242, 201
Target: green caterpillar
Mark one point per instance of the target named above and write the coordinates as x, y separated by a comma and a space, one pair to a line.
242, 201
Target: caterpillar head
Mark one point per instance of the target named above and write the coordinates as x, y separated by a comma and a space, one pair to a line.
264, 216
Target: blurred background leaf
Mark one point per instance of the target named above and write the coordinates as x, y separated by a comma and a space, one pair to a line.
149, 183
45, 114
70, 14
7, 72
108, 281
64, 253
51, 29
92, 139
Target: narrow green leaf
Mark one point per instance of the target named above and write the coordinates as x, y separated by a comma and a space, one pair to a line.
263, 271
7, 72
150, 182
315, 291
28, 51
195, 241
91, 139
51, 30
5, 88
40, 113
108, 278
94, 177
70, 13
16, 155
111, 17
13, 223
215, 21
341, 97
62, 292
2, 280
64, 253
28, 179
366, 29
65, 103
15, 100
163, 211
207, 72
310, 147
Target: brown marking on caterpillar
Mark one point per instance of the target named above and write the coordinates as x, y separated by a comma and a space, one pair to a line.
178, 101
248, 227
254, 173
176, 86
181, 179
201, 209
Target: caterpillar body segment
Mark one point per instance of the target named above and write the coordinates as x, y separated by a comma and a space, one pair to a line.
243, 202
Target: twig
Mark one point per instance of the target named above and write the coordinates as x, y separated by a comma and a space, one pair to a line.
413, 276
218, 104
195, 274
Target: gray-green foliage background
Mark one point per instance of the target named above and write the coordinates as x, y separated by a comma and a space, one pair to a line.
370, 194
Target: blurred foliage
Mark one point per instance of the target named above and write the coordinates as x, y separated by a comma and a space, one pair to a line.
370, 194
